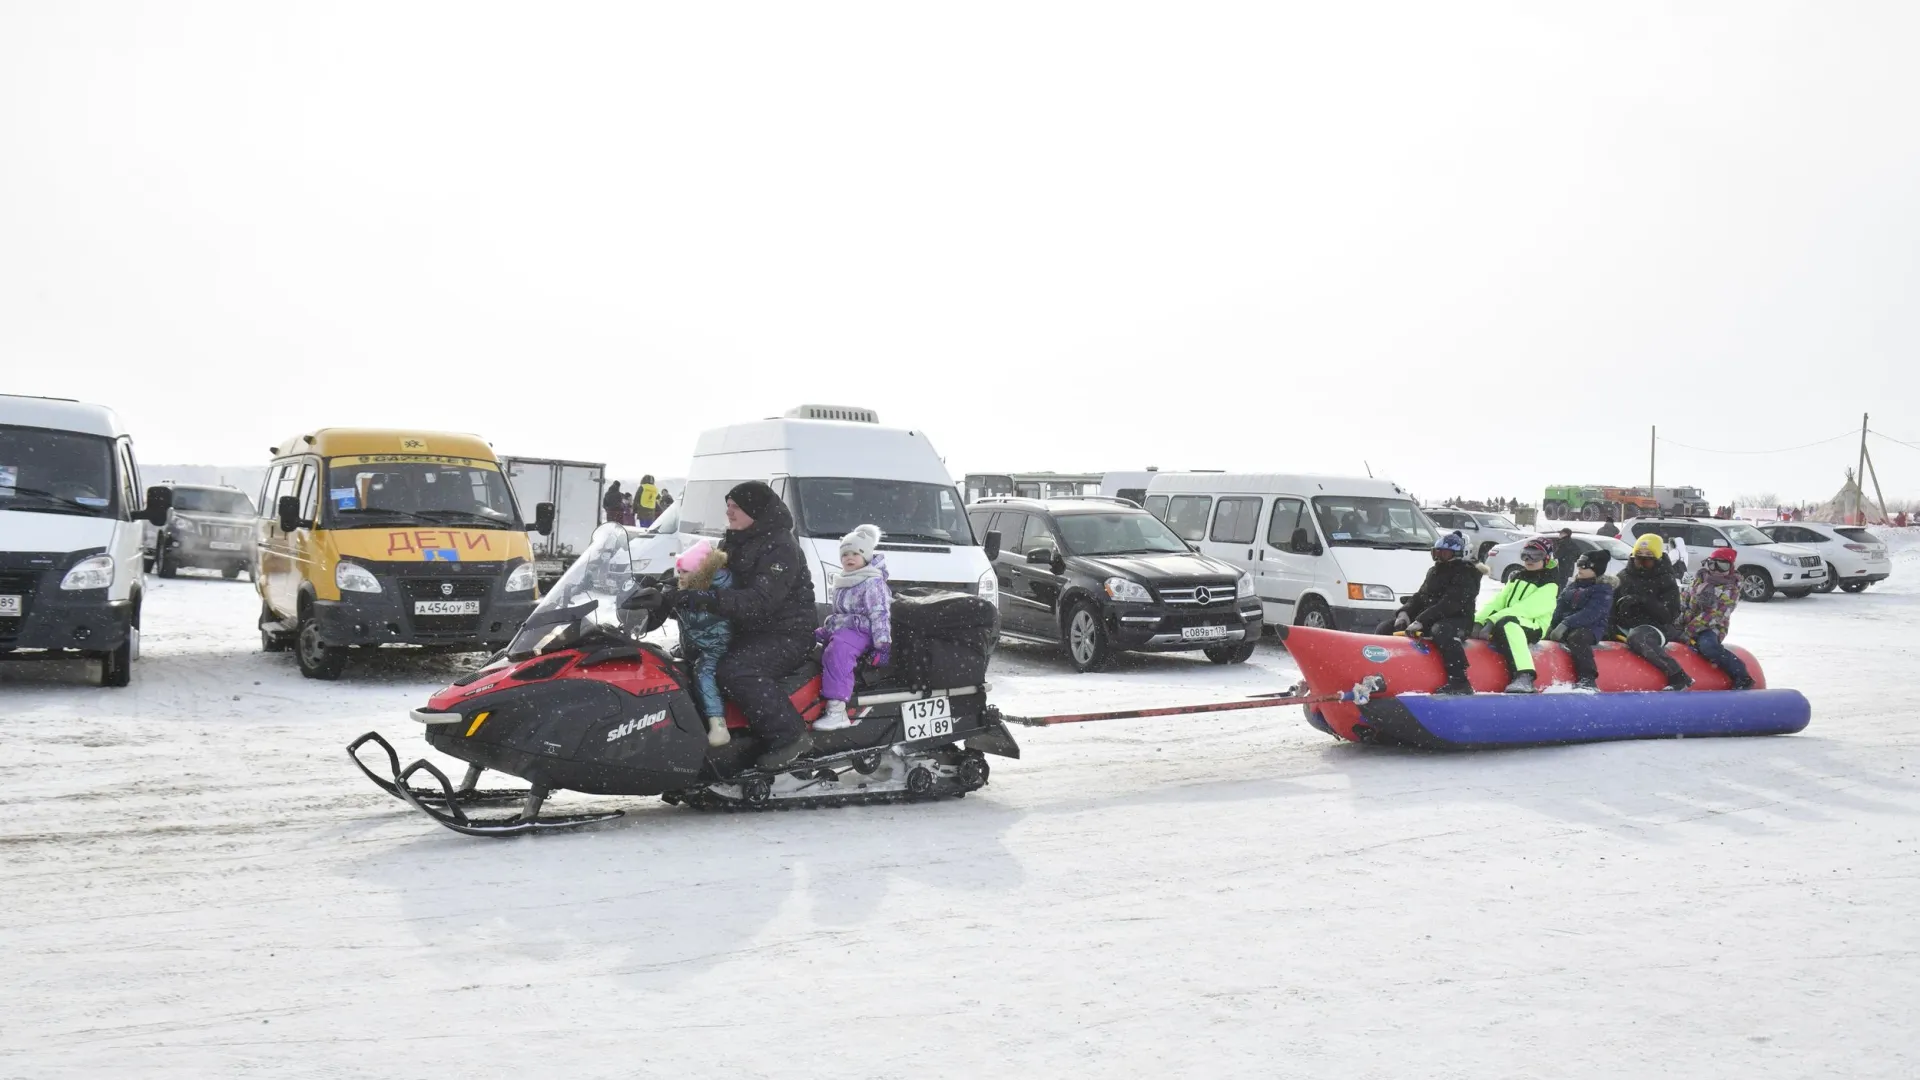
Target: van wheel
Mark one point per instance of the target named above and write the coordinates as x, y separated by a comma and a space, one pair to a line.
116, 667
163, 565
1854, 586
318, 660
1313, 612
1087, 646
1231, 654
1756, 585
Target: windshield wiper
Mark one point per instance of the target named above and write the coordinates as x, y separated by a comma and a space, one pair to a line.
468, 515
406, 515
62, 504
924, 538
1140, 551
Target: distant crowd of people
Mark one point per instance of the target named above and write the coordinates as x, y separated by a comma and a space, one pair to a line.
640, 507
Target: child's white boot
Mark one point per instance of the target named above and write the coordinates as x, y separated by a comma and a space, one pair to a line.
834, 718
717, 731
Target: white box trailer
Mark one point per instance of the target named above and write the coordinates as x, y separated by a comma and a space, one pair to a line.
575, 489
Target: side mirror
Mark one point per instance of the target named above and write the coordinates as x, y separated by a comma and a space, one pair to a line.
1040, 557
289, 508
159, 504
542, 519
992, 544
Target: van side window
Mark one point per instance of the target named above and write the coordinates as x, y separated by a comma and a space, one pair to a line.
1237, 521
1289, 515
1133, 495
268, 483
1187, 515
309, 491
289, 483
1157, 506
130, 493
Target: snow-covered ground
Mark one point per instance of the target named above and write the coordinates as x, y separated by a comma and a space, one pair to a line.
196, 882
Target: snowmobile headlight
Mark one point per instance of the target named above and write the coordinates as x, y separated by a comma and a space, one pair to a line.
352, 577
522, 578
1128, 591
1243, 588
989, 587
1357, 591
90, 573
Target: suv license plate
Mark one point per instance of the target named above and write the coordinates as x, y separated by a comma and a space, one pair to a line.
223, 545
10, 605
926, 719
446, 607
1202, 633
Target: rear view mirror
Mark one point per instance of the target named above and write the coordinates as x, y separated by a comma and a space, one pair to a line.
542, 519
159, 504
992, 544
1040, 557
289, 510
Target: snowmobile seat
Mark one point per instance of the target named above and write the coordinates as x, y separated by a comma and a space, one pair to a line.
802, 675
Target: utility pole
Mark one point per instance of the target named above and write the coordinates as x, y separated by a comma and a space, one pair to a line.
1860, 473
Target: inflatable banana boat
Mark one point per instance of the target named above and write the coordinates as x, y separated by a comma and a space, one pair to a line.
1631, 702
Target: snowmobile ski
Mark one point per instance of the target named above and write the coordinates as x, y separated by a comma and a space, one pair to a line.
527, 821
466, 793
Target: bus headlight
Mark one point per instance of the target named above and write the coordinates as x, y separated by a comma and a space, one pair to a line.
95, 572
352, 577
522, 579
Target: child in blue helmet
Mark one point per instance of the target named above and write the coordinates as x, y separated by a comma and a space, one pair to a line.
1442, 611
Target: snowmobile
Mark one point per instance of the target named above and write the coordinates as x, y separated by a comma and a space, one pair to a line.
1404, 711
584, 700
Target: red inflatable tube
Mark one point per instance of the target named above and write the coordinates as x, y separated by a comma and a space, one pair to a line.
1332, 660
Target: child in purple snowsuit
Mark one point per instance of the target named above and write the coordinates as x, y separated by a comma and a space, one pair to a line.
861, 620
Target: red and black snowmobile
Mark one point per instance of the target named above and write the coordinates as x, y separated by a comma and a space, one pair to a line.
580, 702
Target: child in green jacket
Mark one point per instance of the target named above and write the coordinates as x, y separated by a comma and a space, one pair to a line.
1517, 617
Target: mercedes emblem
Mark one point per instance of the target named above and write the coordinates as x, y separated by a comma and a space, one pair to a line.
446, 588
1203, 596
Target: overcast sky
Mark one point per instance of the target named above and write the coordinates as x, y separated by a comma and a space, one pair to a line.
1480, 247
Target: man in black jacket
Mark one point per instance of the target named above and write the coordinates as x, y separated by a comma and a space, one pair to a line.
1442, 611
1566, 553
771, 608
1646, 604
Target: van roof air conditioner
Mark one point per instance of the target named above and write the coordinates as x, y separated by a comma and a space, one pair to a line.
833, 412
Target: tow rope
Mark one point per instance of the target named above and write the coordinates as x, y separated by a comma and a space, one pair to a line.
1361, 691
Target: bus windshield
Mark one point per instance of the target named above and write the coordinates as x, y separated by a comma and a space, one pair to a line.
445, 491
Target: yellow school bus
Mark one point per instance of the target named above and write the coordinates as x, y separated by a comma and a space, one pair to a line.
372, 537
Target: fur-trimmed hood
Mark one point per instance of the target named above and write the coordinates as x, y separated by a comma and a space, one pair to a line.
702, 578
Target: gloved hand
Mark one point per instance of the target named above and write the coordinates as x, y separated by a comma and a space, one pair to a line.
882, 656
1402, 621
647, 599
1414, 628
690, 600
1558, 633
821, 635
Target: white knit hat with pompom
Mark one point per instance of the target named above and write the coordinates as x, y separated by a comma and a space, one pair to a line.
863, 539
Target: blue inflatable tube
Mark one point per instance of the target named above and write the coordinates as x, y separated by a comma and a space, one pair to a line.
1485, 721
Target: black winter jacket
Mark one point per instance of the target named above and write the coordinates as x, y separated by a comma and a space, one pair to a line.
1646, 597
1451, 591
772, 589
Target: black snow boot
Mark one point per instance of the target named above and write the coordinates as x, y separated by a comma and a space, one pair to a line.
782, 754
1456, 687
1679, 680
1521, 684
1744, 682
1587, 683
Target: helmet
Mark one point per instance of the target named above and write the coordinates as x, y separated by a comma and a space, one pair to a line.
1453, 541
1649, 546
1722, 559
1537, 550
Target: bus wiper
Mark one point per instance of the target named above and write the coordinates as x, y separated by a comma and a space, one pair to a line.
468, 515
922, 537
411, 515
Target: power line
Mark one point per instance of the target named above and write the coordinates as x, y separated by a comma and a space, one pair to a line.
1783, 450
1891, 439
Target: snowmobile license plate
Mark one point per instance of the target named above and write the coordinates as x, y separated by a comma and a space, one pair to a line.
446, 607
9, 605
223, 545
1202, 633
927, 719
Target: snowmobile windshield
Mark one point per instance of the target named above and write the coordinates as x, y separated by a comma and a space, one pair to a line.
831, 507
1116, 534
1369, 521
56, 472
369, 489
584, 605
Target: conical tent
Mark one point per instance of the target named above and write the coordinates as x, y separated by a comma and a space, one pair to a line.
1848, 505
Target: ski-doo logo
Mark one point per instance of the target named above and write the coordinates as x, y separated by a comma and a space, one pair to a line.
638, 723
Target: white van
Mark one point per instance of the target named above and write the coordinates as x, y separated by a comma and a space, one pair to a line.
835, 474
1330, 551
71, 536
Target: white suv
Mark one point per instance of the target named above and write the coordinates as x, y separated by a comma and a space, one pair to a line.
1765, 567
1855, 557
1483, 530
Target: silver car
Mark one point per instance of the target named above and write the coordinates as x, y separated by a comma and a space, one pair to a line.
1855, 557
1482, 529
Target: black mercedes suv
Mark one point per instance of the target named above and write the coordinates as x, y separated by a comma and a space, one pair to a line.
1100, 575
